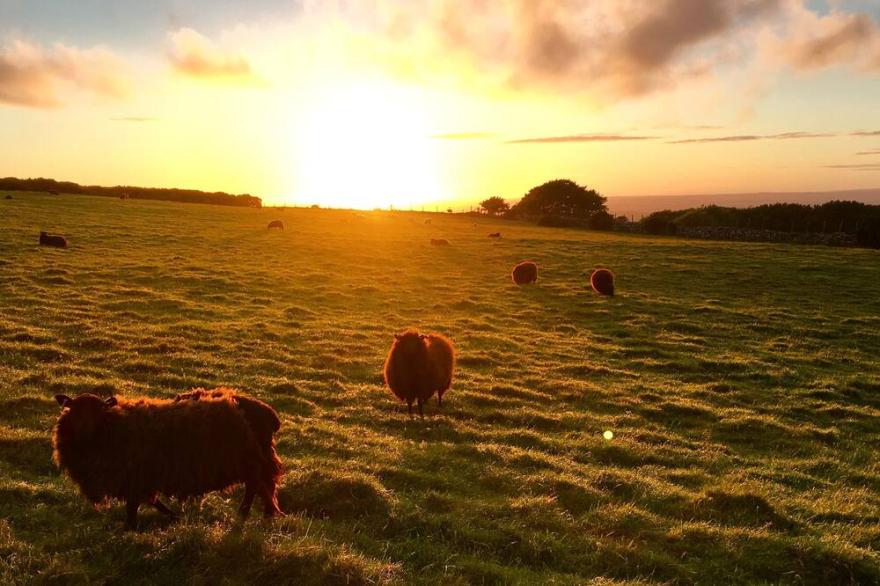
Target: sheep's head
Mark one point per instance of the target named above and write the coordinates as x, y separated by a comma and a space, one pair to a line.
410, 342
83, 414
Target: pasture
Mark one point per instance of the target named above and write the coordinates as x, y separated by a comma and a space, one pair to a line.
741, 383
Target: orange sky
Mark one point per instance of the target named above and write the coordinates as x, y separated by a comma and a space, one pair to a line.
441, 102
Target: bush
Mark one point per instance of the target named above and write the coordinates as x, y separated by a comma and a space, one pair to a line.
660, 222
549, 221
601, 220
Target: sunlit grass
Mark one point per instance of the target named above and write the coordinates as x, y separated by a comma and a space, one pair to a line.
714, 422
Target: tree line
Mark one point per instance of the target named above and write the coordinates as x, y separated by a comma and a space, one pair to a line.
850, 217
125, 191
565, 204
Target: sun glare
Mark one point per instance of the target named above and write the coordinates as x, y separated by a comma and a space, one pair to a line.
365, 146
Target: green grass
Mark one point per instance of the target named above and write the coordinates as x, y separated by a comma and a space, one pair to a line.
741, 381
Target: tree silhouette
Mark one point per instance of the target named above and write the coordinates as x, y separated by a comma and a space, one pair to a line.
561, 198
494, 206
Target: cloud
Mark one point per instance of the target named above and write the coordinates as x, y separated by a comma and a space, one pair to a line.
195, 55
838, 38
753, 137
580, 138
34, 76
870, 167
462, 136
643, 58
866, 133
868, 153
609, 48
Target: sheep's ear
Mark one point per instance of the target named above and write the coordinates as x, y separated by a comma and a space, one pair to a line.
63, 400
110, 401
423, 336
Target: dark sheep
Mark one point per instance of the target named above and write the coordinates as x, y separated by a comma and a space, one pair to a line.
427, 221
276, 224
525, 272
55, 240
495, 235
8, 197
419, 365
136, 450
439, 242
602, 281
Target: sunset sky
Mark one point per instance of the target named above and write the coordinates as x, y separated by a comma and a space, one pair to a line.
442, 102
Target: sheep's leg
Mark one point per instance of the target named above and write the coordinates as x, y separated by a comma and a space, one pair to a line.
421, 413
270, 502
440, 398
409, 407
160, 506
131, 512
249, 494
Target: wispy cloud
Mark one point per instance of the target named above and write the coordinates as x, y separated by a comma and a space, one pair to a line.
753, 137
866, 133
580, 138
868, 167
463, 136
34, 76
196, 55
867, 153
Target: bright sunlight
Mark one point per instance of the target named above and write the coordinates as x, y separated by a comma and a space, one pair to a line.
365, 146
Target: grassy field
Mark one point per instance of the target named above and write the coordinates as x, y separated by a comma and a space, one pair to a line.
741, 382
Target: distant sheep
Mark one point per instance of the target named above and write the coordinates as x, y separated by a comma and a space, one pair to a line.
8, 197
419, 365
495, 235
525, 273
55, 240
439, 242
136, 450
602, 281
428, 221
276, 224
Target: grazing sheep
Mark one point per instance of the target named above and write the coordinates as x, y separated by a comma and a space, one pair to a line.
418, 365
276, 224
439, 242
8, 197
495, 235
55, 240
602, 281
428, 221
136, 450
525, 272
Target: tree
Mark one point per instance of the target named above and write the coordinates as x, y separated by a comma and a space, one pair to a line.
494, 206
562, 198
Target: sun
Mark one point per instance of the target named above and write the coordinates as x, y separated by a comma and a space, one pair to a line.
364, 146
